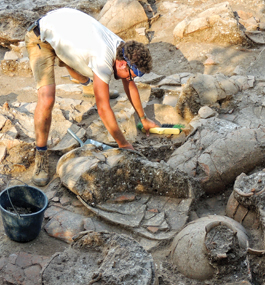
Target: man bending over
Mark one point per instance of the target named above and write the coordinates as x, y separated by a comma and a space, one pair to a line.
89, 51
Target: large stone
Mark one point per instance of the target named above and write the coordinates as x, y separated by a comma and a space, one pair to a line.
122, 17
17, 21
171, 13
214, 25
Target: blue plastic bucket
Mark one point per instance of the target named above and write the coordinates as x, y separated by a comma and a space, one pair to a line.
18, 226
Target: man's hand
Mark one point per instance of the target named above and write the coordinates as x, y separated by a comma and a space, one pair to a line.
148, 124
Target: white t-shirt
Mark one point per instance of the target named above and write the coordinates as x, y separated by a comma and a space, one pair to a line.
81, 42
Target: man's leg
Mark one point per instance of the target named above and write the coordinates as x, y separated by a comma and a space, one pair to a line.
42, 57
43, 114
42, 122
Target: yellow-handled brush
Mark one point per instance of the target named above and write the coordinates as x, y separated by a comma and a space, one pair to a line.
175, 130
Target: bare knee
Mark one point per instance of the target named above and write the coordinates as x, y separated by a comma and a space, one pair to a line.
46, 96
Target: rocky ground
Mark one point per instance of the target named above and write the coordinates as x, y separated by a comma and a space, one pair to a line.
24, 263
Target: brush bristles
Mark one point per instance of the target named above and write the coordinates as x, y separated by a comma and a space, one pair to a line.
139, 126
177, 126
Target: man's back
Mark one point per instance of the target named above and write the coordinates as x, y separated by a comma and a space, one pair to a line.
81, 42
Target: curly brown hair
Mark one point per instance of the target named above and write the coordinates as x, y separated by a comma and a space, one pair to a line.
137, 53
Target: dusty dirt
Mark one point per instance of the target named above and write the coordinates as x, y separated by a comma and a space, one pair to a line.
167, 60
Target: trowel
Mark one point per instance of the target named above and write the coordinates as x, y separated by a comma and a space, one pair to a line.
89, 141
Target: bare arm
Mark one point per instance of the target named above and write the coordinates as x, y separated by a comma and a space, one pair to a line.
132, 93
76, 75
101, 90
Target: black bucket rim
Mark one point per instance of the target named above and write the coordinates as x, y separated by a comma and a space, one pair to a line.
46, 201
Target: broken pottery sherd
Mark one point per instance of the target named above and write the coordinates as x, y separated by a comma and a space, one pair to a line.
245, 203
210, 246
249, 190
247, 216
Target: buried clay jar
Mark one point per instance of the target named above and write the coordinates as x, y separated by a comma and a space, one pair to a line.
209, 246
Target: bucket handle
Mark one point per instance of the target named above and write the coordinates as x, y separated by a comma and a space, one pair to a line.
9, 195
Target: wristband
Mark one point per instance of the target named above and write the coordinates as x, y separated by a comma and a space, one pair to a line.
143, 117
